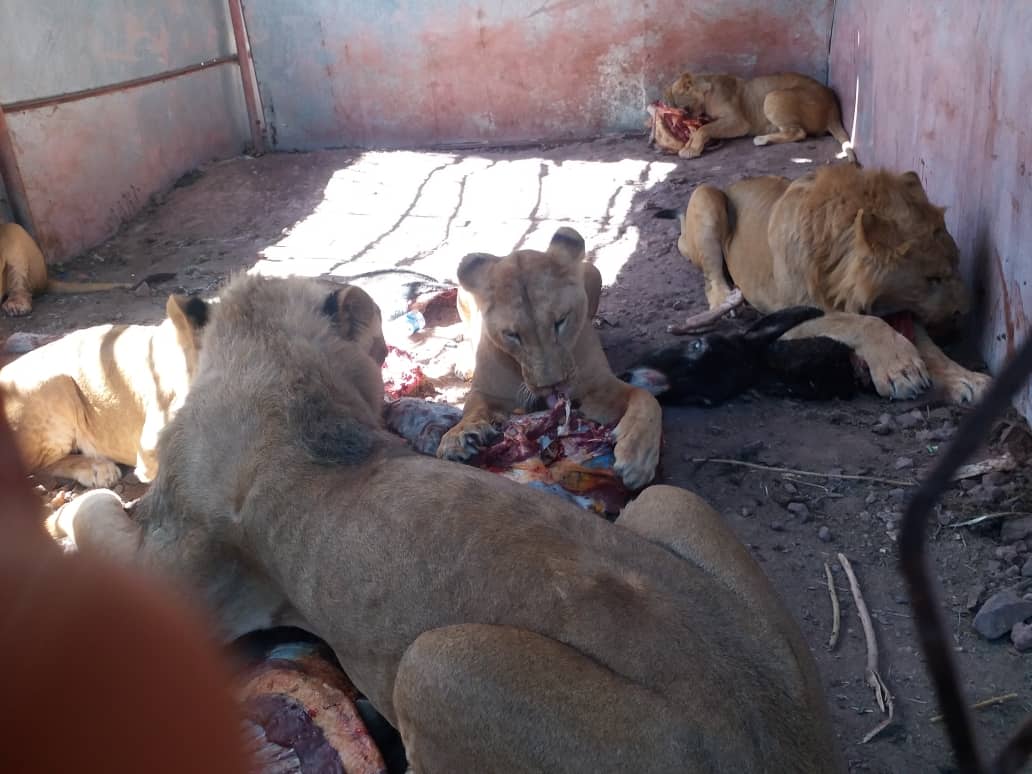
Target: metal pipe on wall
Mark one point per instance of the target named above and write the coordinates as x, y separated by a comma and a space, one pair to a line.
248, 79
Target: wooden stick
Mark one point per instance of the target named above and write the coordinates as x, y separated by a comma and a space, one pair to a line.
772, 469
983, 704
702, 320
836, 613
871, 674
989, 517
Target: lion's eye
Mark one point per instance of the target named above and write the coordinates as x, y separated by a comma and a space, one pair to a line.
511, 336
561, 323
696, 346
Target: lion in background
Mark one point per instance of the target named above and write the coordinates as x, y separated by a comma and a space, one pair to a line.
859, 244
529, 315
772, 108
23, 273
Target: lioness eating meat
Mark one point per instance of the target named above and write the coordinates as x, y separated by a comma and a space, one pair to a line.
772, 108
23, 273
530, 316
859, 244
499, 628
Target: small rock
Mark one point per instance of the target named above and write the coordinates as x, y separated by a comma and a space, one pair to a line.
995, 477
1021, 547
143, 289
746, 511
974, 595
993, 566
897, 494
791, 488
910, 420
881, 430
799, 510
1016, 529
777, 526
1006, 553
1021, 636
1012, 572
999, 614
885, 419
902, 463
870, 499
824, 535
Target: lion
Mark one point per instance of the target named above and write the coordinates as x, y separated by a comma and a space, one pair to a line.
772, 108
529, 315
497, 627
859, 244
23, 273
98, 397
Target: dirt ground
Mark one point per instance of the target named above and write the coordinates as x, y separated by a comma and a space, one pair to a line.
347, 213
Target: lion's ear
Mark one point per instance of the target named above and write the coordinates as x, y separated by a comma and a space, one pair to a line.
911, 183
878, 234
475, 271
357, 316
567, 245
188, 314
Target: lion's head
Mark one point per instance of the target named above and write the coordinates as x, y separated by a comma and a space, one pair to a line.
890, 250
700, 94
534, 306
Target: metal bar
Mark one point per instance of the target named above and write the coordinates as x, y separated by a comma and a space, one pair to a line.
247, 76
13, 182
73, 96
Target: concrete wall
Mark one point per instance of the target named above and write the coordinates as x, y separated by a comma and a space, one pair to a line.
944, 89
90, 164
417, 72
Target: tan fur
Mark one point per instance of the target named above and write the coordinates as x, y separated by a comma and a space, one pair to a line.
100, 396
547, 300
772, 108
856, 243
23, 273
499, 628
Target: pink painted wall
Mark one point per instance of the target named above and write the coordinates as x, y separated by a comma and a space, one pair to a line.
945, 89
417, 72
89, 165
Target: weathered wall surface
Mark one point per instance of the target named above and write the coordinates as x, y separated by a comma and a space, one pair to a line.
944, 89
416, 72
90, 164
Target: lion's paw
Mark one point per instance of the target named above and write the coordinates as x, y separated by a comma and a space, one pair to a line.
898, 372
96, 472
962, 386
638, 437
688, 152
463, 441
17, 305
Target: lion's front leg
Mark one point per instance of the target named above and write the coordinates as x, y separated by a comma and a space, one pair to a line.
474, 431
956, 383
721, 129
897, 369
638, 433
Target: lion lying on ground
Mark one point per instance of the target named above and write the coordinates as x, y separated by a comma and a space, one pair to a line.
497, 627
529, 315
772, 108
99, 396
23, 273
859, 244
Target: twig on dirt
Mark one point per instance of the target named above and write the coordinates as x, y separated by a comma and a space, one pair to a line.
989, 517
871, 674
983, 704
1004, 463
836, 613
816, 474
698, 322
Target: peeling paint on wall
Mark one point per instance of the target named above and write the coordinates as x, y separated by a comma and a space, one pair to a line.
348, 72
944, 89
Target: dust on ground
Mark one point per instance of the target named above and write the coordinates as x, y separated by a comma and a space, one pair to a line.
347, 214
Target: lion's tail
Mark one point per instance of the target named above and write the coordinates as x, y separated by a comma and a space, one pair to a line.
60, 286
836, 130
